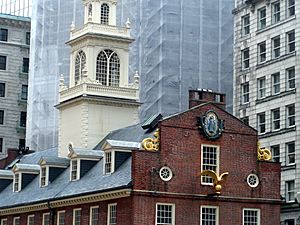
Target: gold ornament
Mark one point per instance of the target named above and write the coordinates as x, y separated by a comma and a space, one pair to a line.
152, 144
263, 154
217, 179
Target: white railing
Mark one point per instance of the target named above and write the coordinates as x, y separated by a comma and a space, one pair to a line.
85, 89
100, 29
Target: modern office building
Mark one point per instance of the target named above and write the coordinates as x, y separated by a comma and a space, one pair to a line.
14, 68
266, 83
16, 7
178, 45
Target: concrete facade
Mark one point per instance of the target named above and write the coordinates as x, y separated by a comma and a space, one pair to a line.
266, 83
14, 53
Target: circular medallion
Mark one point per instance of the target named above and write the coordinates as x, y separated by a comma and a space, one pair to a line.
211, 125
252, 180
165, 173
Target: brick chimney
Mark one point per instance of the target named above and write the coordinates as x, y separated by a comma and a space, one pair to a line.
197, 97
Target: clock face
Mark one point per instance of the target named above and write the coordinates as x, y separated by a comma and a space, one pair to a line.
211, 125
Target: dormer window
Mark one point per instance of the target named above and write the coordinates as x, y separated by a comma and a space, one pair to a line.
74, 170
108, 68
44, 180
108, 167
90, 10
17, 182
104, 14
80, 62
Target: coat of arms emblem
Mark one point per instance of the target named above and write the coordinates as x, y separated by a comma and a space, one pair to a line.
211, 125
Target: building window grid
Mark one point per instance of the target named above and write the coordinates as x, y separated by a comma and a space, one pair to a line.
251, 217
108, 68
94, 215
17, 182
261, 123
262, 52
275, 149
112, 214
275, 47
290, 153
276, 12
290, 8
209, 162
61, 218
290, 78
16, 221
46, 219
262, 17
261, 83
104, 14
2, 62
275, 119
74, 170
290, 191
108, 162
30, 220
276, 83
43, 176
291, 41
76, 216
245, 93
209, 215
245, 59
3, 34
290, 112
4, 221
164, 214
245, 25
80, 62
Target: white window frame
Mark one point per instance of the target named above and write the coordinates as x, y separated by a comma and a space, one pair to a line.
245, 94
290, 7
290, 77
275, 157
111, 163
275, 120
4, 221
252, 209
209, 207
276, 84
261, 21
246, 24
74, 216
77, 171
59, 216
261, 124
91, 215
109, 207
275, 12
44, 180
290, 43
28, 220
204, 167
289, 154
289, 191
44, 215
245, 59
290, 117
19, 183
173, 213
14, 221
276, 48
262, 55
261, 87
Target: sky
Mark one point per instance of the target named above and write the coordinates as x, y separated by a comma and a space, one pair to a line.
16, 7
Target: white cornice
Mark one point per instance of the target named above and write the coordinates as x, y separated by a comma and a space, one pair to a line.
67, 202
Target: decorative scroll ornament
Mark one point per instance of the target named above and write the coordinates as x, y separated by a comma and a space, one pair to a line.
211, 125
152, 144
217, 179
263, 154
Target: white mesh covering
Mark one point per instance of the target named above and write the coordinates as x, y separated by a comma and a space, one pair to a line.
180, 45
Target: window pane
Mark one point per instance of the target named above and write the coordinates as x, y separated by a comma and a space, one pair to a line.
2, 62
164, 214
3, 34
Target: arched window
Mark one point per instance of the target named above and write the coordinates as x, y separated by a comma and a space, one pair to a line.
108, 68
79, 65
90, 10
104, 14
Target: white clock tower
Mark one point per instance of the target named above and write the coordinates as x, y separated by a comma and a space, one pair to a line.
99, 98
